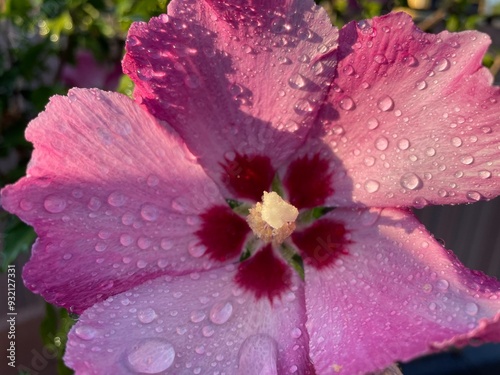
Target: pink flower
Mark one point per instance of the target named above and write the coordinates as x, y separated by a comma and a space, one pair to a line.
88, 72
130, 199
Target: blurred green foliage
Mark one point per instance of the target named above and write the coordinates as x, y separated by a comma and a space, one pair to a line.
42, 37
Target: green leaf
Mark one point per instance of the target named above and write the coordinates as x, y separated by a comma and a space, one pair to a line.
18, 239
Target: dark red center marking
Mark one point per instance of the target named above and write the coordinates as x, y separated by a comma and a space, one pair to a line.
248, 176
322, 242
264, 274
223, 233
308, 182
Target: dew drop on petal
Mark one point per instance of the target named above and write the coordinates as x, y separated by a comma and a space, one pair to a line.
151, 356
403, 144
147, 315
430, 151
297, 81
208, 331
467, 159
221, 312
197, 316
371, 186
373, 123
471, 308
25, 205
411, 181
484, 174
296, 333
54, 204
381, 143
150, 212
117, 199
369, 161
421, 85
473, 196
85, 332
303, 106
456, 141
442, 64
152, 181
443, 284
385, 103
126, 239
347, 103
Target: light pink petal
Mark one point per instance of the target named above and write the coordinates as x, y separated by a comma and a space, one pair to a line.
113, 196
232, 78
396, 294
193, 324
413, 116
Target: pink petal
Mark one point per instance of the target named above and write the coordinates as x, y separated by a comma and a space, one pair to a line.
113, 196
234, 79
396, 294
194, 324
414, 117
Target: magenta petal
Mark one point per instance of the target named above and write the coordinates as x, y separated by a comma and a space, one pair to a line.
194, 324
222, 233
415, 118
113, 196
396, 295
234, 78
264, 275
308, 181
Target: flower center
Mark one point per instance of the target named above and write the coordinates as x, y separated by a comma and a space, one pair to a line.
273, 219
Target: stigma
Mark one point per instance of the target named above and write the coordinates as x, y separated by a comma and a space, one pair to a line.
273, 219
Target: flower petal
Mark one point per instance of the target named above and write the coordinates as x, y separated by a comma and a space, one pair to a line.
232, 78
193, 324
113, 196
413, 116
396, 294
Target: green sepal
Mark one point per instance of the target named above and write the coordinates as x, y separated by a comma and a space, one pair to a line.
293, 259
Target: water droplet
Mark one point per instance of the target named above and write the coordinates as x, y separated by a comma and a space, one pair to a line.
25, 205
442, 64
179, 205
126, 239
54, 204
369, 161
197, 316
347, 103
150, 212
371, 186
166, 244
456, 141
85, 332
411, 181
467, 159
196, 249
373, 123
430, 151
296, 333
385, 103
410, 60
420, 202
221, 312
442, 284
144, 243
297, 81
152, 180
141, 263
94, 204
486, 129
403, 144
117, 199
207, 331
318, 68
484, 174
380, 59
473, 196
421, 85
303, 106
100, 247
381, 143
147, 315
151, 356
471, 308
348, 70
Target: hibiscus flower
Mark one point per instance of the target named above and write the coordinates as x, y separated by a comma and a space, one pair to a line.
248, 212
